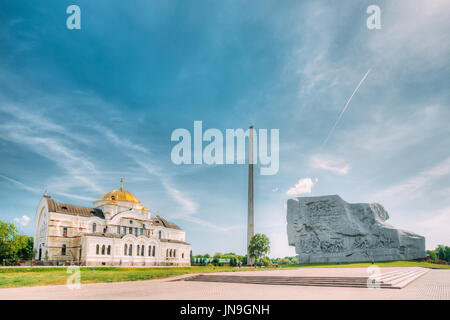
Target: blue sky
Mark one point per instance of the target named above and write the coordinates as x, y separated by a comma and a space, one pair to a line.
79, 109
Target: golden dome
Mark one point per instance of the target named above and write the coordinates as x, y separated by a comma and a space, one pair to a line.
121, 195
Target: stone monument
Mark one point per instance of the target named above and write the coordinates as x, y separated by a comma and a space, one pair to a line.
329, 229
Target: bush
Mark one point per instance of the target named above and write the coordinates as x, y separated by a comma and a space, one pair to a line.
265, 262
284, 261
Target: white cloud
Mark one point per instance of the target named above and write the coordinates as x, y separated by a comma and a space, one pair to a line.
387, 133
22, 220
187, 204
412, 187
412, 45
335, 165
435, 228
303, 186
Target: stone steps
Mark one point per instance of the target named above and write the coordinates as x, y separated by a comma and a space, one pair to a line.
404, 281
392, 280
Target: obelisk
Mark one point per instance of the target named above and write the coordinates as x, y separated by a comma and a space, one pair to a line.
250, 222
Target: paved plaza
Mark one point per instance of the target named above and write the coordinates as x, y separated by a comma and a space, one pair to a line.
431, 284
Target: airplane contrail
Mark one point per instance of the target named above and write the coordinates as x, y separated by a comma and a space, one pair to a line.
345, 107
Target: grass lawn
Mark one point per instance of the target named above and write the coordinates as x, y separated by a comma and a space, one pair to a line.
41, 276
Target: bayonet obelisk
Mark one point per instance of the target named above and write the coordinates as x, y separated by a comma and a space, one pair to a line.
250, 223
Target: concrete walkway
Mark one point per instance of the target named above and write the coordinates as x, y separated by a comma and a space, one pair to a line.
434, 284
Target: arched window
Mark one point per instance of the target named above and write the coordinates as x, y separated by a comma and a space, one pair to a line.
149, 251
109, 250
125, 250
159, 234
63, 250
142, 251
94, 227
137, 251
130, 250
103, 249
182, 256
97, 250
167, 252
174, 252
118, 229
153, 252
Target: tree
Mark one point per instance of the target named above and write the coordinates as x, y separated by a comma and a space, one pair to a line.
433, 255
440, 251
27, 252
265, 261
12, 244
259, 246
284, 261
447, 254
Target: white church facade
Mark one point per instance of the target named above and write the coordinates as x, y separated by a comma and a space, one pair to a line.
117, 231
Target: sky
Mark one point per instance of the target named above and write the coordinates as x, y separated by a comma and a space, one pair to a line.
363, 113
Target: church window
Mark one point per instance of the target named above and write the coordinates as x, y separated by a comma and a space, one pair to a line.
142, 231
149, 251
137, 251
109, 250
153, 252
94, 227
130, 230
142, 251
167, 252
182, 255
63, 250
124, 230
64, 232
103, 249
174, 252
159, 234
135, 231
125, 250
97, 250
130, 250
118, 229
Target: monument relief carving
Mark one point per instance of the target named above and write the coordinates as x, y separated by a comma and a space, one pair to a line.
328, 229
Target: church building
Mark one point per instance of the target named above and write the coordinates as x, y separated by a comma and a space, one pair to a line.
117, 231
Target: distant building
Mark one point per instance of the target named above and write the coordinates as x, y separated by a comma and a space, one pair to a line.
118, 230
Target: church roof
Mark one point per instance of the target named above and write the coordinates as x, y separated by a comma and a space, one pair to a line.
158, 221
121, 195
72, 209
173, 241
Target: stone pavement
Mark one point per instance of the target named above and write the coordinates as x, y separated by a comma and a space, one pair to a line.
434, 284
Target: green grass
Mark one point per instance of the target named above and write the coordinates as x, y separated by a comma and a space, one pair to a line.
41, 276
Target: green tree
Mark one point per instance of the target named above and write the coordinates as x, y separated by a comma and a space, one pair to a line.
265, 261
284, 261
447, 254
259, 246
433, 255
440, 251
27, 252
12, 243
